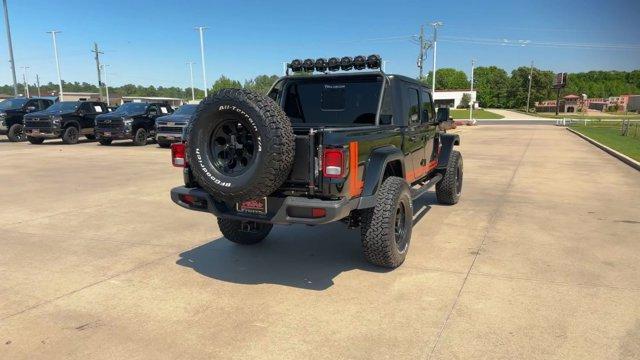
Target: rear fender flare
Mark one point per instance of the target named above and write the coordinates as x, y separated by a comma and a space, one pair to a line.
376, 165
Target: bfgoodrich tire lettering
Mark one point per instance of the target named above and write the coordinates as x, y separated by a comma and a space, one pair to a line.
254, 160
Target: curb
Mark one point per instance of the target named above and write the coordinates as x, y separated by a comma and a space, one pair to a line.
624, 158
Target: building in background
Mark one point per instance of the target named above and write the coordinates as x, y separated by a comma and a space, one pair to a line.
573, 103
452, 98
171, 101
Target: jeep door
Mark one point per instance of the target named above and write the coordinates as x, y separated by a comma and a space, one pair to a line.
415, 135
431, 126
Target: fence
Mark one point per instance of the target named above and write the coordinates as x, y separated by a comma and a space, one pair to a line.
626, 127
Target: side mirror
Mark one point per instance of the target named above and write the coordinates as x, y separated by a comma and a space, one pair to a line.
442, 115
153, 113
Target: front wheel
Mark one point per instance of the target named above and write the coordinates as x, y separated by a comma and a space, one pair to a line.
449, 188
140, 137
90, 136
164, 144
35, 140
244, 232
105, 141
386, 228
70, 135
16, 133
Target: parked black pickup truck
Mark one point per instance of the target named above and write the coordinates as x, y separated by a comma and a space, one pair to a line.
67, 120
169, 128
321, 148
12, 112
133, 120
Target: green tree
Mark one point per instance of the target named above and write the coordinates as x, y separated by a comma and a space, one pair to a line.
491, 84
447, 79
261, 83
541, 87
464, 102
224, 82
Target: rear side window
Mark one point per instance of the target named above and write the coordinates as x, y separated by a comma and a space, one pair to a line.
386, 108
414, 106
427, 107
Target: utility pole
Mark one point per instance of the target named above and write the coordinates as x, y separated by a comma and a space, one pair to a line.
435, 25
424, 45
106, 84
10, 45
193, 91
97, 57
38, 84
471, 100
55, 53
530, 79
24, 80
204, 70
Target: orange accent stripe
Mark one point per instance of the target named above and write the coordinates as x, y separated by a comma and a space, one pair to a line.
421, 171
355, 185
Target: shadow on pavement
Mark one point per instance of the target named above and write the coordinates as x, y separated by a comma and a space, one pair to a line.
299, 256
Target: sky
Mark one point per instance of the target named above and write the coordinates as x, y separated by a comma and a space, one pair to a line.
148, 42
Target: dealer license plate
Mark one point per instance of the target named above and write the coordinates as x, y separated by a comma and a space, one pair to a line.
254, 206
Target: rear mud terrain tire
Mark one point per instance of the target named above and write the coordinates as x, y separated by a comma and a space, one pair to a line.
70, 135
449, 188
235, 232
35, 140
140, 138
16, 133
386, 228
105, 141
241, 145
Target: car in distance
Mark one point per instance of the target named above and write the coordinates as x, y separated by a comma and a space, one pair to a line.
351, 147
67, 120
130, 121
169, 127
12, 112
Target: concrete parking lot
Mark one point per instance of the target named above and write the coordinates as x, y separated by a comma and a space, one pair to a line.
540, 259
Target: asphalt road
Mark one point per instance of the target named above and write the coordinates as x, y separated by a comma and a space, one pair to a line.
540, 260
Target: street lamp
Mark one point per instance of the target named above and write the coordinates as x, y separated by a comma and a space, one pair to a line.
193, 92
435, 25
204, 71
55, 53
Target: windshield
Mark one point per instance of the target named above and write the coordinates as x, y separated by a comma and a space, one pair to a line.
12, 104
340, 101
186, 110
131, 108
64, 106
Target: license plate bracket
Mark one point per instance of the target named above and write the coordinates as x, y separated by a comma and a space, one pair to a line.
253, 206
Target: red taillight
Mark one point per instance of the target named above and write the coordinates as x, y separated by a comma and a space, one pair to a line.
178, 155
318, 213
333, 163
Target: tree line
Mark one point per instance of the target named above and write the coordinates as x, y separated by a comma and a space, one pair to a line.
496, 88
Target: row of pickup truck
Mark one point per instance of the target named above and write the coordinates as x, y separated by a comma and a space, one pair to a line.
39, 119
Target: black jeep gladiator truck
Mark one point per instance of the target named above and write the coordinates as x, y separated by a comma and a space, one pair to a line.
67, 120
133, 120
356, 147
12, 112
169, 128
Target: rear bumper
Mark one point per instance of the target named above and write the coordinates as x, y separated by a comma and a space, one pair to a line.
277, 208
169, 137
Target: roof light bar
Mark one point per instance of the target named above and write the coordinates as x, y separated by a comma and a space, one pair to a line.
346, 63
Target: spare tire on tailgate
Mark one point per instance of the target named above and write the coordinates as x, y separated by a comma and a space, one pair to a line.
240, 145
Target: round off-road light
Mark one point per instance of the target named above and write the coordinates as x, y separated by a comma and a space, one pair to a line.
296, 65
321, 65
346, 63
374, 61
307, 65
359, 62
333, 64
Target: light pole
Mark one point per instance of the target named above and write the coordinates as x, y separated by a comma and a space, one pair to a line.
38, 84
106, 84
471, 100
530, 79
193, 92
55, 53
10, 45
204, 71
435, 25
24, 79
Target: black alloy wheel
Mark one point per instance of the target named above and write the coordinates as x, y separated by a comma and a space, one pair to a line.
232, 147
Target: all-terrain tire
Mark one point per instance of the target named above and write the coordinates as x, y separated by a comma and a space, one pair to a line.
262, 148
35, 140
90, 136
105, 141
140, 137
71, 135
16, 133
449, 188
379, 229
234, 232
